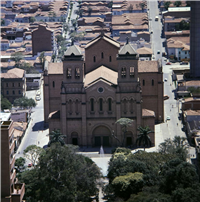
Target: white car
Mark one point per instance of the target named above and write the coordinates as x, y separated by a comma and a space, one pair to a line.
165, 79
37, 97
168, 118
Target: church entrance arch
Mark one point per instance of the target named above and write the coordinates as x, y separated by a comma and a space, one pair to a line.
101, 136
74, 137
129, 138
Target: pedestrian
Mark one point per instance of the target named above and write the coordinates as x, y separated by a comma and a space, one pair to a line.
38, 142
42, 131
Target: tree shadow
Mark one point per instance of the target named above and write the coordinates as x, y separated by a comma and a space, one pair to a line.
39, 126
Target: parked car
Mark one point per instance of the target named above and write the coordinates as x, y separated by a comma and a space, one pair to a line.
168, 63
30, 165
165, 79
156, 18
38, 92
166, 97
158, 52
184, 63
168, 118
37, 97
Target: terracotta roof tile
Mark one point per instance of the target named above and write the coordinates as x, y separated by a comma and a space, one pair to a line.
55, 68
144, 50
147, 66
13, 73
147, 112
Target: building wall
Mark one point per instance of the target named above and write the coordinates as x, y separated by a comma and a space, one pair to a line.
152, 93
95, 51
194, 39
7, 158
13, 88
41, 40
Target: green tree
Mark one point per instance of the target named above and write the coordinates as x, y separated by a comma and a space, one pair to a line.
65, 27
32, 153
19, 163
188, 3
24, 102
143, 137
177, 174
177, 3
89, 10
110, 4
183, 25
177, 146
77, 36
125, 123
74, 23
130, 8
42, 58
17, 57
79, 12
128, 184
56, 136
167, 4
142, 5
5, 104
62, 175
28, 68
32, 19
2, 22
59, 38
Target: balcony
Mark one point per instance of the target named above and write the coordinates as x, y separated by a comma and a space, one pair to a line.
18, 193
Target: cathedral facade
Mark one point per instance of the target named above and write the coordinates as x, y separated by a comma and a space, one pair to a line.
94, 87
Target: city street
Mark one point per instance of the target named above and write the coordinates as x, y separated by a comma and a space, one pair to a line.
35, 134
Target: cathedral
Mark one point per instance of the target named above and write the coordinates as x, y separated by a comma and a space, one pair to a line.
95, 86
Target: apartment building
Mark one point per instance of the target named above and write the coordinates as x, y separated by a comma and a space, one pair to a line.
13, 84
11, 190
43, 39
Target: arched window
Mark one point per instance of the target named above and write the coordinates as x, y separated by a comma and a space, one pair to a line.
53, 84
110, 59
131, 71
94, 59
70, 106
124, 106
100, 104
152, 82
76, 106
102, 55
123, 72
69, 73
77, 72
109, 104
131, 105
143, 82
92, 104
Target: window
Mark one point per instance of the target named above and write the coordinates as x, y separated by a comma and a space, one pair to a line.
53, 84
131, 71
152, 82
70, 106
94, 59
109, 104
185, 52
19, 84
69, 73
13, 92
100, 104
124, 106
92, 104
102, 55
131, 105
143, 82
13, 84
6, 84
7, 92
19, 92
77, 73
76, 104
179, 52
123, 72
110, 59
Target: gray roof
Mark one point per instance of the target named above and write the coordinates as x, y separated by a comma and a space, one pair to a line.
73, 50
127, 48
